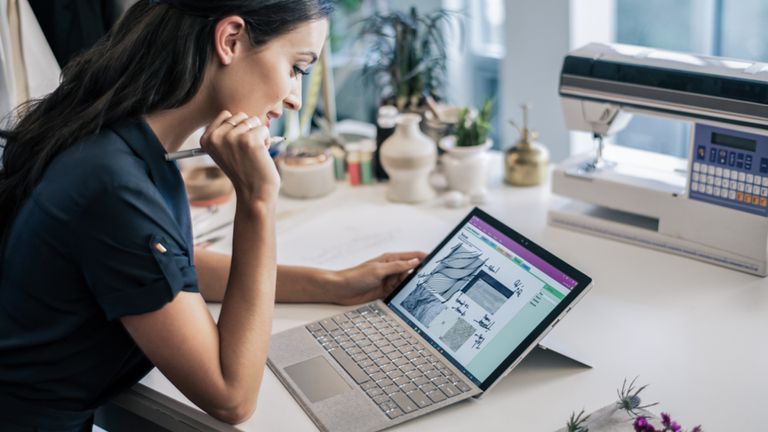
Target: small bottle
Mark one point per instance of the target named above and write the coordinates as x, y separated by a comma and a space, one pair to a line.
339, 162
385, 126
367, 149
353, 164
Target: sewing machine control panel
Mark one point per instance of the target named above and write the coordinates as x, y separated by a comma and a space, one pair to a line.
730, 168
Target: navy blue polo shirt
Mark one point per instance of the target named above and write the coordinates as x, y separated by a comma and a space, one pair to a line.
83, 252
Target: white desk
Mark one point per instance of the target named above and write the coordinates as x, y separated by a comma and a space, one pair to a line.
693, 331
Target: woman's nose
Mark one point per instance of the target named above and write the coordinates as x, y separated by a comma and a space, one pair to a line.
293, 101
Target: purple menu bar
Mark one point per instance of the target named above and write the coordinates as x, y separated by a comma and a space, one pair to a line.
524, 253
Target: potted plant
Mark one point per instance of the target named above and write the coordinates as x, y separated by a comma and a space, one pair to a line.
406, 59
465, 159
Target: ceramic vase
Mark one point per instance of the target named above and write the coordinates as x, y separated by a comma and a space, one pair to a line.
465, 168
408, 157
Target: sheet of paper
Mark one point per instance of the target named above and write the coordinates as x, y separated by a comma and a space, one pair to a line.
353, 233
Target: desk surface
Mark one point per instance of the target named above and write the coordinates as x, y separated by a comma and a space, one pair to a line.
689, 329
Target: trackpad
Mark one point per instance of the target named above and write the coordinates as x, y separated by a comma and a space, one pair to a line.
317, 379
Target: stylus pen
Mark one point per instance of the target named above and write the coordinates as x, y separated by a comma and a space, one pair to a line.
198, 151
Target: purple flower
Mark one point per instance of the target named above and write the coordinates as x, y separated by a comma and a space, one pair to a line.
674, 427
665, 419
641, 425
696, 429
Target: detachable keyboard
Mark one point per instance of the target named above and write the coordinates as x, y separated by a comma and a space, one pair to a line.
394, 368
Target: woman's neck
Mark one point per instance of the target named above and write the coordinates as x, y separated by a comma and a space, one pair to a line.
173, 126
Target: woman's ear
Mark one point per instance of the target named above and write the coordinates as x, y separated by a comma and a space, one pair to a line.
228, 38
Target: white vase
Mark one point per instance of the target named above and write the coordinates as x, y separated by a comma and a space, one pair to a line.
408, 157
465, 168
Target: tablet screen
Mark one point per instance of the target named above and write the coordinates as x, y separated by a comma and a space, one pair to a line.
483, 293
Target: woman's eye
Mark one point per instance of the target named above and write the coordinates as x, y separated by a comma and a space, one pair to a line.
300, 72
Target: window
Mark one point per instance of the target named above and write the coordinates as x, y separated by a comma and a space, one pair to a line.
730, 28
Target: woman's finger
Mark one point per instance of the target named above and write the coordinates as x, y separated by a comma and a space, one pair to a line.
395, 267
224, 115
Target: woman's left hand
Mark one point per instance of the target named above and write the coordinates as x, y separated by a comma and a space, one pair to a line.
376, 278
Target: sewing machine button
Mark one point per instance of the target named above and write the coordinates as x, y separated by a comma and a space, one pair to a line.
765, 181
719, 171
711, 169
716, 192
748, 188
747, 198
695, 187
734, 175
709, 190
695, 177
742, 176
733, 184
764, 192
750, 178
763, 202
726, 173
740, 187
718, 181
710, 180
739, 196
758, 180
755, 199
731, 195
696, 167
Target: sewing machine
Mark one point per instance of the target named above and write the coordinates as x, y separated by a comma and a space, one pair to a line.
711, 206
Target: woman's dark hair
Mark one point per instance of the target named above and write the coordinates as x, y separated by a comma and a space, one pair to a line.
153, 59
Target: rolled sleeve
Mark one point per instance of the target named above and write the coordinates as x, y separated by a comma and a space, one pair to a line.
133, 255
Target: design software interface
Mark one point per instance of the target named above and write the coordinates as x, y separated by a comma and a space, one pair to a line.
479, 297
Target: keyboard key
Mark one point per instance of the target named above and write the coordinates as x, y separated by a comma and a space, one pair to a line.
436, 396
403, 401
420, 381
420, 398
378, 376
462, 386
350, 366
381, 398
385, 382
329, 325
429, 387
408, 387
391, 389
394, 413
450, 390
373, 392
440, 381
401, 381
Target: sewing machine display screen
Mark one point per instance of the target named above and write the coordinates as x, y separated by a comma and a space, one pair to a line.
730, 169
479, 297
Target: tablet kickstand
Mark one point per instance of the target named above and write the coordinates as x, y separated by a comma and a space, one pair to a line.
557, 346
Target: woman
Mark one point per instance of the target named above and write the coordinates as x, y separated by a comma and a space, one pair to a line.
97, 282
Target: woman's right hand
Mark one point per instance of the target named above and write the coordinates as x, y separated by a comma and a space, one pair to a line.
240, 146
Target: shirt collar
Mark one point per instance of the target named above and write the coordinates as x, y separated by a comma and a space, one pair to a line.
143, 141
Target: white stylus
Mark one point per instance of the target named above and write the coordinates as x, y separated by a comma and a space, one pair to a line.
198, 151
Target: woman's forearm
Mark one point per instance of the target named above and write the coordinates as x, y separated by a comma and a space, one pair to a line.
294, 283
245, 321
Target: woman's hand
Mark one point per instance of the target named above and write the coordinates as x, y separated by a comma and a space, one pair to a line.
240, 146
376, 278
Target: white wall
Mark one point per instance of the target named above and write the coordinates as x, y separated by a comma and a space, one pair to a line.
539, 35
537, 40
